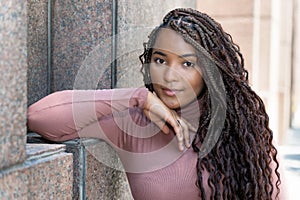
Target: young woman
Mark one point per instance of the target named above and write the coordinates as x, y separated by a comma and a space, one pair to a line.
197, 95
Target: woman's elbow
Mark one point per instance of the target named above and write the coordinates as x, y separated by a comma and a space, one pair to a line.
53, 122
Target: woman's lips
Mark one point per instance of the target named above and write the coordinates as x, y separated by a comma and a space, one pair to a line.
170, 92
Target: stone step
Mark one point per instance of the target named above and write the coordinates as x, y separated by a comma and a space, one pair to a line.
98, 172
47, 173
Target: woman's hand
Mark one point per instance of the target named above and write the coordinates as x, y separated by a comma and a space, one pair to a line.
161, 115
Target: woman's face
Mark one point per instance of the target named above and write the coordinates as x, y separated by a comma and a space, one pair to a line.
174, 70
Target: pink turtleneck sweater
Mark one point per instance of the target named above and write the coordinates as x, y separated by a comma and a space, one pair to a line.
155, 168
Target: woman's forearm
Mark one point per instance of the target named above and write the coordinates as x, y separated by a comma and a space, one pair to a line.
61, 115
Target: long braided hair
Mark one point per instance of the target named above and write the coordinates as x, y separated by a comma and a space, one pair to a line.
239, 164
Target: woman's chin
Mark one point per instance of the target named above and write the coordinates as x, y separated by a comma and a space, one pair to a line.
172, 105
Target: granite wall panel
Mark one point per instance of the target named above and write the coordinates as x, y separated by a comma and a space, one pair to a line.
13, 185
45, 174
37, 53
13, 93
77, 149
105, 176
97, 171
81, 45
51, 177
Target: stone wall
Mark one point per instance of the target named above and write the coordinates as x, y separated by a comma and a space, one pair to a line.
37, 49
47, 46
26, 171
69, 46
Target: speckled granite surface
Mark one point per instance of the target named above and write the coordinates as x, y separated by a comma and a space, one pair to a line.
81, 44
13, 65
35, 151
78, 184
47, 173
94, 169
102, 161
37, 45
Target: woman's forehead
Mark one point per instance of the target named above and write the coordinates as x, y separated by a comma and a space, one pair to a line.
171, 41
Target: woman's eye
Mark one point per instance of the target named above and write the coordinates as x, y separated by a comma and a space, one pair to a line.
159, 61
188, 64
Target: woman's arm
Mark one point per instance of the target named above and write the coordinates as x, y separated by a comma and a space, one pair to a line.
62, 115
161, 115
59, 116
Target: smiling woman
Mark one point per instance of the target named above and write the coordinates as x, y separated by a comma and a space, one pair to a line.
198, 97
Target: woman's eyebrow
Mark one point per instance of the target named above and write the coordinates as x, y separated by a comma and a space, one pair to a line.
180, 56
160, 53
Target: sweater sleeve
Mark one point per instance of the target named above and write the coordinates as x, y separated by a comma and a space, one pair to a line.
62, 115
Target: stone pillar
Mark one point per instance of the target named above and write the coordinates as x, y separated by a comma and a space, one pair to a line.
37, 50
26, 171
13, 95
45, 174
280, 68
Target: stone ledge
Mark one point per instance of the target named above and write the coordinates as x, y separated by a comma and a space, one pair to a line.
98, 172
47, 173
36, 151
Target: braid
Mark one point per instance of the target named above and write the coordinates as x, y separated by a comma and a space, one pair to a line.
239, 163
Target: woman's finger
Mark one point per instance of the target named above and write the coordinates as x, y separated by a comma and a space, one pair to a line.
161, 115
185, 132
158, 120
180, 138
181, 128
158, 113
189, 125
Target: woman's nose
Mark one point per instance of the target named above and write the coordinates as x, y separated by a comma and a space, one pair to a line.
171, 74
